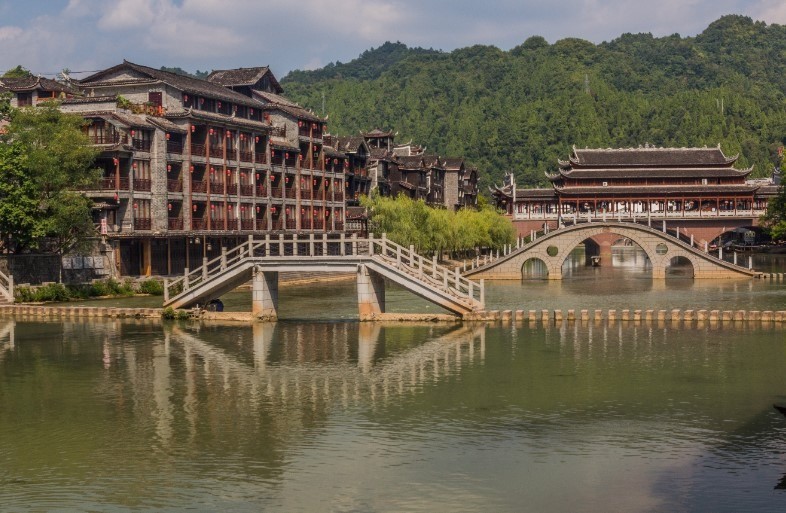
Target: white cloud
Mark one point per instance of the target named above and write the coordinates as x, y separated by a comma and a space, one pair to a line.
10, 33
772, 11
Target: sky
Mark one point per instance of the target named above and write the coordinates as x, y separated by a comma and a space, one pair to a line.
47, 36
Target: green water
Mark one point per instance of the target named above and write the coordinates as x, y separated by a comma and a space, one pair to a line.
316, 415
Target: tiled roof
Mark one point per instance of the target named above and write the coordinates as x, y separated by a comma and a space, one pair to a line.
220, 118
89, 99
414, 162
650, 156
183, 83
243, 77
664, 190
274, 98
166, 125
284, 143
535, 194
356, 212
378, 133
649, 172
380, 153
350, 144
332, 152
21, 84
452, 163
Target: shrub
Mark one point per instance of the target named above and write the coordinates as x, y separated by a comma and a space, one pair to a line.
152, 287
52, 292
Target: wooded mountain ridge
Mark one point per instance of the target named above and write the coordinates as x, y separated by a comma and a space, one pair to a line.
524, 108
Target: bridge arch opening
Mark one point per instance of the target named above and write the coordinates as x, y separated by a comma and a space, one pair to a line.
607, 250
679, 267
534, 269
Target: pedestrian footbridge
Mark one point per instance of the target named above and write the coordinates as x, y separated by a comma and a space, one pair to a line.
663, 247
372, 259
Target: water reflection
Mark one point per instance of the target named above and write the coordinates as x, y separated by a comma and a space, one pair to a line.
349, 416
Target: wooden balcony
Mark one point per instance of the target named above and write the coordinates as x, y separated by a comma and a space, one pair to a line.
247, 224
217, 152
338, 196
197, 150
261, 191
246, 156
290, 192
142, 184
340, 226
247, 190
261, 224
105, 138
275, 192
175, 223
232, 189
291, 224
140, 145
261, 158
199, 186
174, 147
143, 223
319, 224
108, 184
305, 194
198, 223
174, 186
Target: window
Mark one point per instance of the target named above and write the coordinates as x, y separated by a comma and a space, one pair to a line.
24, 99
704, 181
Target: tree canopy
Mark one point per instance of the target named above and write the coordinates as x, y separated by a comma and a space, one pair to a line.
434, 230
44, 157
524, 108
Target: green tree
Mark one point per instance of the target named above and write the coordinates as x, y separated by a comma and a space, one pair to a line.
17, 72
44, 157
775, 218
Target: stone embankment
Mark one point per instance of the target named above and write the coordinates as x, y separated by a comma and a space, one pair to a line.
688, 317
776, 318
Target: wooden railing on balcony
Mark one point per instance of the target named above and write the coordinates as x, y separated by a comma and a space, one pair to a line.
246, 224
319, 224
175, 223
340, 226
174, 185
198, 223
143, 223
247, 190
105, 138
107, 184
261, 191
291, 224
261, 224
197, 150
261, 157
305, 194
275, 192
305, 224
174, 147
199, 186
246, 156
142, 184
232, 188
217, 151
339, 196
141, 145
290, 192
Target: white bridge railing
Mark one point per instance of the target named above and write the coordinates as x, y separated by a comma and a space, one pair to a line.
299, 249
7, 286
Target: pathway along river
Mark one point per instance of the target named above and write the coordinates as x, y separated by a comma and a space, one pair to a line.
311, 415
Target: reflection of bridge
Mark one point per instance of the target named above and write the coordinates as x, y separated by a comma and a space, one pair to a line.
296, 380
662, 249
372, 259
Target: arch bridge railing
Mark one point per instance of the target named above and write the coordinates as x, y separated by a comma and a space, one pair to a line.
568, 221
310, 248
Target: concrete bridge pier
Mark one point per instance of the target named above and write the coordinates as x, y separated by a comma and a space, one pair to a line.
264, 294
371, 293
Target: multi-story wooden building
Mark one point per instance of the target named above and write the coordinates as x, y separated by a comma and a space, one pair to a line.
698, 186
191, 166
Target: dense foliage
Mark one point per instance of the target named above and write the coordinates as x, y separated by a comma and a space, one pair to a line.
433, 230
775, 219
44, 156
523, 109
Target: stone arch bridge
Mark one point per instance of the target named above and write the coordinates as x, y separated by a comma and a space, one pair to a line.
661, 248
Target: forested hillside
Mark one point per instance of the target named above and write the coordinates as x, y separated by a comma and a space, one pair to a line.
523, 109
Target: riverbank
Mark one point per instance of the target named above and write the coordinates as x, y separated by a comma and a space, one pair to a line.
767, 318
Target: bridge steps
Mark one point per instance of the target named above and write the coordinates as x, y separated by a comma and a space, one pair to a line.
404, 266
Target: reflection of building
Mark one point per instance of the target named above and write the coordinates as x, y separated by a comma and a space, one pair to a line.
699, 187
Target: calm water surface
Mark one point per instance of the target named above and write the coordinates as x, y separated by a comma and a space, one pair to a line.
313, 416
310, 415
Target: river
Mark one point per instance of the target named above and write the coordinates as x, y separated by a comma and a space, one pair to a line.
315, 415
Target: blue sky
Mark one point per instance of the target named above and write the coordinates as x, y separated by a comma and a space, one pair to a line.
84, 35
